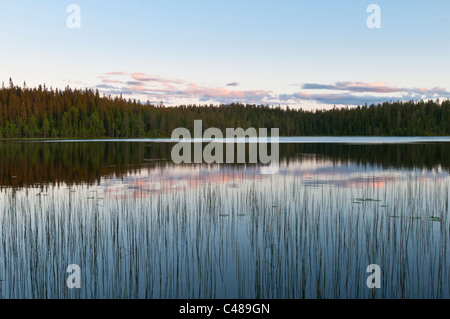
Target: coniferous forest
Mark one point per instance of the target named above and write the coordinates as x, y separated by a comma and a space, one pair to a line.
46, 113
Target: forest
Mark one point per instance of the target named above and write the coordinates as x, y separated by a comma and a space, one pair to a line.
74, 113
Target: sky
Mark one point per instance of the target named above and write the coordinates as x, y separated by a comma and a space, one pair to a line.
308, 54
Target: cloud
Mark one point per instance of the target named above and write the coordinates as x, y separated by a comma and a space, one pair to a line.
158, 88
436, 91
143, 77
105, 86
134, 83
376, 87
116, 73
155, 88
146, 78
110, 81
339, 99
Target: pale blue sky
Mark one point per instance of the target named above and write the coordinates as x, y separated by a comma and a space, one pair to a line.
297, 53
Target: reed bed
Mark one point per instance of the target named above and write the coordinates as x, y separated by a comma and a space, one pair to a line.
273, 238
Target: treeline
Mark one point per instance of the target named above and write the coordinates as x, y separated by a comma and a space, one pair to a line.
42, 113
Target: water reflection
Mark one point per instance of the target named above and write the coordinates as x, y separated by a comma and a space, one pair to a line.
41, 164
311, 173
142, 227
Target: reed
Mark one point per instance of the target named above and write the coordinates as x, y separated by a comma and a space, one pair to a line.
282, 237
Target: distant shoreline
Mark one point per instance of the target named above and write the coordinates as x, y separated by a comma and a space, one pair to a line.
282, 139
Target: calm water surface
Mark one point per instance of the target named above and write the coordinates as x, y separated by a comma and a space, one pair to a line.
140, 226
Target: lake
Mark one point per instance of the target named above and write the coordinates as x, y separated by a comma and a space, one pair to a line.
140, 226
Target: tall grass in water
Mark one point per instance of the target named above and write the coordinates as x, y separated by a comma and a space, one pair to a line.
263, 239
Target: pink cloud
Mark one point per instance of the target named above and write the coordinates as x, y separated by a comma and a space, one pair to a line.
110, 81
156, 88
138, 88
360, 87
374, 87
116, 73
378, 87
145, 78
